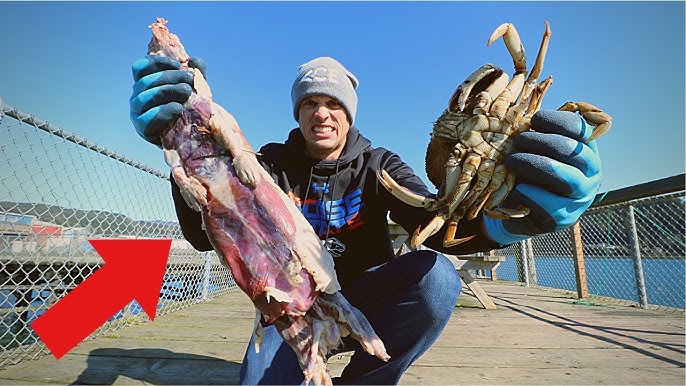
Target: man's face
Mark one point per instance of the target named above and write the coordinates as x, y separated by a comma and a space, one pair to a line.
324, 124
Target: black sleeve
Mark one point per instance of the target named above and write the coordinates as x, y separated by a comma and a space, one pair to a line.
189, 220
410, 218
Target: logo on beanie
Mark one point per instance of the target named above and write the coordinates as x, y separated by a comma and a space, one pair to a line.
321, 74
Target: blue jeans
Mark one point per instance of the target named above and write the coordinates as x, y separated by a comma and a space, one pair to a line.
408, 301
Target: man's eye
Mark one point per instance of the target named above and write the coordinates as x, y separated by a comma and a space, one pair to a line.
333, 104
308, 104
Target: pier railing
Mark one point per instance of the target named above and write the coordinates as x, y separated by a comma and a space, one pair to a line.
57, 191
629, 246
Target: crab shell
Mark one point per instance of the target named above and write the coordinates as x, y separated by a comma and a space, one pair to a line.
443, 138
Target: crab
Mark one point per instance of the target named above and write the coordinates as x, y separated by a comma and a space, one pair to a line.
466, 153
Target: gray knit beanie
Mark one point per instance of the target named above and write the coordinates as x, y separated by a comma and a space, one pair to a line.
325, 76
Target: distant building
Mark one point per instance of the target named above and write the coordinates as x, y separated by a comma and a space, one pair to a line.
15, 229
15, 224
24, 233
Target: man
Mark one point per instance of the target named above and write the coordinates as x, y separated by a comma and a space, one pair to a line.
329, 167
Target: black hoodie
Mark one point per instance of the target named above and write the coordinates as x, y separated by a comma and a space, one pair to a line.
345, 203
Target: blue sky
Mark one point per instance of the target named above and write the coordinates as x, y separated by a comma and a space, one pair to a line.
70, 64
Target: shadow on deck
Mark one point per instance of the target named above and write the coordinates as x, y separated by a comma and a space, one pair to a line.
532, 337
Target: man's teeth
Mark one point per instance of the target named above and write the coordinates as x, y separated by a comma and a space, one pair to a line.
322, 129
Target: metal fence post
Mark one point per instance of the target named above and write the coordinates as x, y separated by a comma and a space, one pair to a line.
518, 252
524, 262
638, 265
531, 262
206, 277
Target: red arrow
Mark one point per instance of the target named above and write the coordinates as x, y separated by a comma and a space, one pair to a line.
134, 269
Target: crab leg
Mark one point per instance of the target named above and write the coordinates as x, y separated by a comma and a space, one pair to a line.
538, 94
505, 99
540, 58
498, 177
402, 193
453, 199
514, 45
452, 174
527, 96
470, 166
453, 170
484, 176
454, 182
498, 196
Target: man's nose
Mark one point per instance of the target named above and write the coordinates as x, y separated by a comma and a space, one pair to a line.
322, 112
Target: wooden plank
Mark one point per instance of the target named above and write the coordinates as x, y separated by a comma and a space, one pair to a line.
539, 375
481, 257
532, 357
159, 366
464, 266
399, 244
476, 289
533, 337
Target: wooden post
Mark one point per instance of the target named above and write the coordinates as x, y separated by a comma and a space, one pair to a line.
399, 238
579, 266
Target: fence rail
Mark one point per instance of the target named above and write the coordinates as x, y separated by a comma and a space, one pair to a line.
58, 190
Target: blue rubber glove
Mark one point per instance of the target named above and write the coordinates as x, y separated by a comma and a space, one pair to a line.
159, 91
558, 176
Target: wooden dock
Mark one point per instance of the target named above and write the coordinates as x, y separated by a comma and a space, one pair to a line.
532, 337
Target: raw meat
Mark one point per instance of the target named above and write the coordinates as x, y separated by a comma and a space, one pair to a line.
272, 251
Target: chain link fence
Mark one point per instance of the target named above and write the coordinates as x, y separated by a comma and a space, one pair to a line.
57, 191
633, 252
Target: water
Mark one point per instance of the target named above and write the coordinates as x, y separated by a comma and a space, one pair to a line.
665, 279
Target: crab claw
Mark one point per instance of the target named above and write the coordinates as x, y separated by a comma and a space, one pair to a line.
453, 242
497, 78
449, 239
402, 193
421, 234
593, 115
513, 43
